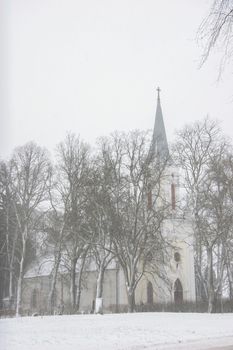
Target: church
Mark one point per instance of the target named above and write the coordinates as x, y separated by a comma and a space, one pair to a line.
179, 285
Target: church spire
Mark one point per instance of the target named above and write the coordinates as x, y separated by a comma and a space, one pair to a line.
159, 145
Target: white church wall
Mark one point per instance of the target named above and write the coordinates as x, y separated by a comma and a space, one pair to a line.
179, 232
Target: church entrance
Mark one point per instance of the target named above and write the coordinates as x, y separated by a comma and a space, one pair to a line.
178, 292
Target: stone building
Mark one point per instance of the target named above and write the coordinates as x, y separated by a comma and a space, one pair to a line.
180, 281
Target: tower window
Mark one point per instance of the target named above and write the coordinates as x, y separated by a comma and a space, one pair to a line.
149, 198
177, 256
173, 196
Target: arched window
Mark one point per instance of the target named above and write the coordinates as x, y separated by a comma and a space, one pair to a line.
177, 257
173, 196
178, 292
34, 300
149, 293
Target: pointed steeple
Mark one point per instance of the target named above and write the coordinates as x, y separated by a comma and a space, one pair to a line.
159, 145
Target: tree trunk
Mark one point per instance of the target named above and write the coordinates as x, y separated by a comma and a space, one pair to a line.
72, 283
99, 291
11, 273
230, 278
58, 253
10, 289
79, 282
131, 299
21, 272
211, 291
130, 286
53, 284
19, 289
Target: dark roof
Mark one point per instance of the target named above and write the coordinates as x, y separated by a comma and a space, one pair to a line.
159, 145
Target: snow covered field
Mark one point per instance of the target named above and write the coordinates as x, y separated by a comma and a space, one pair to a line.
117, 332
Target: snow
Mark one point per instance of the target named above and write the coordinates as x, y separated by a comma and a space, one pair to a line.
117, 331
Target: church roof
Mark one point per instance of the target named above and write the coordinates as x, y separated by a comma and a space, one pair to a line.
159, 145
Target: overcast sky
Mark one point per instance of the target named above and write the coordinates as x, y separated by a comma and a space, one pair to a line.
92, 67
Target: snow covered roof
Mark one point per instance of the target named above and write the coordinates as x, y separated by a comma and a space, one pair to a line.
43, 266
40, 267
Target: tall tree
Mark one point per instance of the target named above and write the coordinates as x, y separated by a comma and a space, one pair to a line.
201, 151
137, 180
100, 213
8, 237
30, 168
73, 169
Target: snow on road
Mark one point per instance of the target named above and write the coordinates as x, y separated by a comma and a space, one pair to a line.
117, 331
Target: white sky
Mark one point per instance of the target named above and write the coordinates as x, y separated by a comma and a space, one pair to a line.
92, 67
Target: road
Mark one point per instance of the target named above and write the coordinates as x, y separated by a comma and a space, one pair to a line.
200, 345
192, 347
229, 347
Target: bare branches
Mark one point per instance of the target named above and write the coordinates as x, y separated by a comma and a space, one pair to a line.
216, 31
72, 179
205, 157
134, 225
29, 171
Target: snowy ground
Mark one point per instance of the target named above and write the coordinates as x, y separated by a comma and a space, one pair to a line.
117, 332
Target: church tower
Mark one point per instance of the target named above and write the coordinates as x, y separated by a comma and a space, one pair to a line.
176, 228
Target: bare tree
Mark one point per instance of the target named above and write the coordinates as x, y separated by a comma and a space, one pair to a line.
9, 237
73, 165
101, 216
216, 31
193, 149
29, 175
138, 185
201, 152
224, 170
214, 222
55, 229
